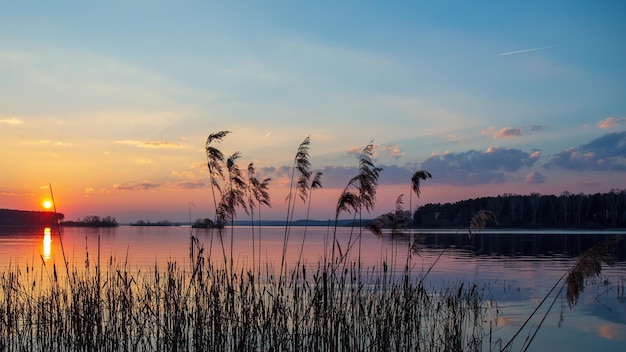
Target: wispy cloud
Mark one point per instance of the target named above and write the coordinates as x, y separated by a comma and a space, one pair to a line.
152, 144
11, 121
611, 122
192, 179
48, 142
506, 132
525, 50
14, 194
189, 185
394, 151
356, 151
143, 186
537, 128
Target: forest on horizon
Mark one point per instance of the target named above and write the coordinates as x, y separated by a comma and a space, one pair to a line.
567, 210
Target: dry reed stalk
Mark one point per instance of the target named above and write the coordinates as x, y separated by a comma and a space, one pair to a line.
336, 307
215, 309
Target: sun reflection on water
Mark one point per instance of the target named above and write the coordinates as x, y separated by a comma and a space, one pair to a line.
47, 244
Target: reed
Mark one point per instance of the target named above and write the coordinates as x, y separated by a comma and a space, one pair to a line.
301, 167
257, 192
210, 308
334, 305
588, 264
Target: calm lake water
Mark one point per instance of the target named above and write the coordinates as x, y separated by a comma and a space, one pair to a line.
516, 269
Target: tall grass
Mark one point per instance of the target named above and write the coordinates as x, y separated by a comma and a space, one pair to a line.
210, 308
257, 195
336, 305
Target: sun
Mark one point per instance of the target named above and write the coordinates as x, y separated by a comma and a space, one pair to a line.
47, 204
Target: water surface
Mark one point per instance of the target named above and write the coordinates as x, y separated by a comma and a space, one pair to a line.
515, 269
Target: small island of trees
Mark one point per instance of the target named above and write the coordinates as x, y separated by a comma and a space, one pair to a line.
92, 221
149, 223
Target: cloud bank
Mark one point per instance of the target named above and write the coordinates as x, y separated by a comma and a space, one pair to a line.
605, 153
477, 167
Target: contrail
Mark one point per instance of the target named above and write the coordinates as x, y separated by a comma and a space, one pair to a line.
524, 51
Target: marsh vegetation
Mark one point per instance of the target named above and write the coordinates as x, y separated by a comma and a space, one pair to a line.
112, 308
212, 304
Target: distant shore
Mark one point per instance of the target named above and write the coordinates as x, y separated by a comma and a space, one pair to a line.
11, 217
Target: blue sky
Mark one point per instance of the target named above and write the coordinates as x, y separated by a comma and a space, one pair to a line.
112, 101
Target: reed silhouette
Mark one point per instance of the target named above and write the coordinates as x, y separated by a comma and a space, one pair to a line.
334, 305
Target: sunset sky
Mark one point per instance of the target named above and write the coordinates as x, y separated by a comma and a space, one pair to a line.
111, 102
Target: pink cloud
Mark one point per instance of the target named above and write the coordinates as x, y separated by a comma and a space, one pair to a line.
506, 132
611, 122
534, 178
356, 151
394, 151
14, 194
151, 144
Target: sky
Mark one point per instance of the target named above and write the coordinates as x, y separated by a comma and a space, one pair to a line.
111, 102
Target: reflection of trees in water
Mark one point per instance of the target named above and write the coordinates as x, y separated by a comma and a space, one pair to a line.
512, 244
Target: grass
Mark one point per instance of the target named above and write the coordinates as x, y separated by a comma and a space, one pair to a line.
337, 305
210, 308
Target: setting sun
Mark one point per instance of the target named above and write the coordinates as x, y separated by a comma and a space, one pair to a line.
47, 204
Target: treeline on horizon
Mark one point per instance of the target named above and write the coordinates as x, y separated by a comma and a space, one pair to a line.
11, 217
567, 210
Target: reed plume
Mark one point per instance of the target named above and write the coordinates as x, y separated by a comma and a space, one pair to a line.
215, 161
315, 184
359, 194
396, 220
589, 265
415, 185
257, 191
301, 165
233, 197
480, 220
365, 183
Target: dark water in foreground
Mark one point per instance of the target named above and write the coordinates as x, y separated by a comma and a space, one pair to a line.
515, 269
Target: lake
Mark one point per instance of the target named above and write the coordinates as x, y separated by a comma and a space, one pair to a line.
515, 269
